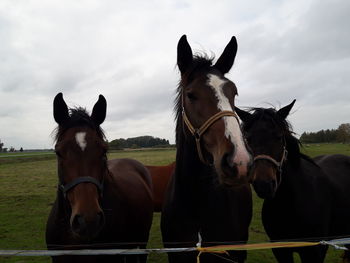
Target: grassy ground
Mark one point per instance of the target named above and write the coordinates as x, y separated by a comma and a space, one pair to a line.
27, 190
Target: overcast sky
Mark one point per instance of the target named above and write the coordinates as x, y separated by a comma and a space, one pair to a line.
126, 50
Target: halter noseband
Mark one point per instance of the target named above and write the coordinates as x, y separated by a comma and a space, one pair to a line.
84, 179
198, 132
274, 162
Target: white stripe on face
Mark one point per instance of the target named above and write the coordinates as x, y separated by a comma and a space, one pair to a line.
80, 139
241, 157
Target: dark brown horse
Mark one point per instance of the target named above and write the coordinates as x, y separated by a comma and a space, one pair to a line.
304, 199
208, 195
99, 204
337, 166
160, 178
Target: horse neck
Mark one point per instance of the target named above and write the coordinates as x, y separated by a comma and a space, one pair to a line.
189, 170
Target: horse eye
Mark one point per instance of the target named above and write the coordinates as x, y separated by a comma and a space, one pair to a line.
191, 96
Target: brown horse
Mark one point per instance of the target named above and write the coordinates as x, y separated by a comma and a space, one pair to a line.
99, 203
209, 194
304, 199
160, 178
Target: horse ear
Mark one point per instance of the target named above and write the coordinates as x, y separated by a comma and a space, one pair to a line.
243, 115
184, 54
98, 114
227, 57
60, 109
284, 112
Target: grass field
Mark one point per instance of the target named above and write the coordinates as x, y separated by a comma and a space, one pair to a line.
28, 187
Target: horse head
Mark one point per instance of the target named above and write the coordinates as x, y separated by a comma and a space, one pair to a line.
82, 164
206, 113
266, 131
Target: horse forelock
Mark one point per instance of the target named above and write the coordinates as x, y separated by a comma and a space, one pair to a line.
78, 117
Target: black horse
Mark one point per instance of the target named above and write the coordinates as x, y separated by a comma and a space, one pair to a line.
304, 199
208, 196
100, 204
337, 166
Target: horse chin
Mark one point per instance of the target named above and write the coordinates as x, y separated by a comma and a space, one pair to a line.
86, 236
264, 192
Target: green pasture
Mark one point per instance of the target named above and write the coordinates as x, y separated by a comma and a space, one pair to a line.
20, 157
28, 187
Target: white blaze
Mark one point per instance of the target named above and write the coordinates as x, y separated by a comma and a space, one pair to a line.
80, 138
233, 132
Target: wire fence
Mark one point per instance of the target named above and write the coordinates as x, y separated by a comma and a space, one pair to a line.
336, 243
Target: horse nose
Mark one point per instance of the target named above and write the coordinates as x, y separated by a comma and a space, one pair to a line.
78, 224
230, 163
100, 219
88, 227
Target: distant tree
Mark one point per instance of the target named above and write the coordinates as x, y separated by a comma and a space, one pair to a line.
21, 150
343, 134
1, 145
12, 149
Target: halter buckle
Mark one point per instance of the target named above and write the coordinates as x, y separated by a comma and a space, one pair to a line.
196, 134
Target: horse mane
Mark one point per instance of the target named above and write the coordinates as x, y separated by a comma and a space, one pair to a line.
292, 143
200, 63
78, 117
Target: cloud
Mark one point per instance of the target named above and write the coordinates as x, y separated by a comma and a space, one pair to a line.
127, 52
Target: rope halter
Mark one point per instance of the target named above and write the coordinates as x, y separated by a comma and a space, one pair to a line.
277, 164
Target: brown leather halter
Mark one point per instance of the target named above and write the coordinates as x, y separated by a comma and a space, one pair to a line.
198, 132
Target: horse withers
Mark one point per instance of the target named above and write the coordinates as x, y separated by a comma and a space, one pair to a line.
100, 204
302, 199
208, 196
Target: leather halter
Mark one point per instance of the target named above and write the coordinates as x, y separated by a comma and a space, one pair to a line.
198, 132
84, 179
274, 162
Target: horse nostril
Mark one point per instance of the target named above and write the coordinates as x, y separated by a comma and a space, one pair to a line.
228, 167
100, 219
227, 160
78, 223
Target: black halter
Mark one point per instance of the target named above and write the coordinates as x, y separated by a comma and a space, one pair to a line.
84, 179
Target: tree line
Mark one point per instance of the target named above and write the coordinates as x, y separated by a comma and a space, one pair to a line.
138, 142
5, 149
341, 134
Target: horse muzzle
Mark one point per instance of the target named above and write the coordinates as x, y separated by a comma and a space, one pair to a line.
87, 227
